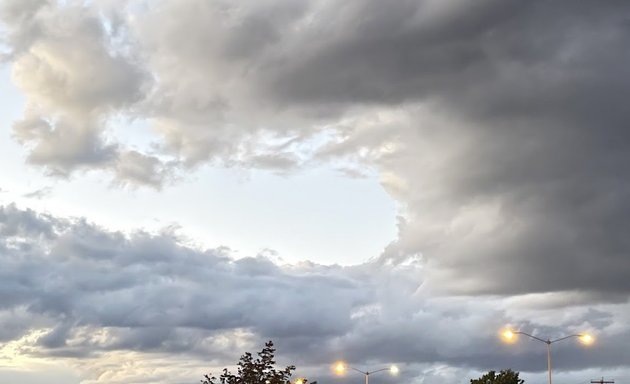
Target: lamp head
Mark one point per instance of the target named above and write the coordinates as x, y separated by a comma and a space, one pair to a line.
340, 368
586, 339
509, 335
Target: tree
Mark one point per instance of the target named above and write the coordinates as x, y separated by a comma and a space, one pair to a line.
506, 376
256, 371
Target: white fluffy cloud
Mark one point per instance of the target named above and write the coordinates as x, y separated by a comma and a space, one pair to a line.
75, 77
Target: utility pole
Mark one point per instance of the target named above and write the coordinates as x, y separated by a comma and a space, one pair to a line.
602, 381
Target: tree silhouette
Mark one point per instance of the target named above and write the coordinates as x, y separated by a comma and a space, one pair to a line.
506, 376
256, 371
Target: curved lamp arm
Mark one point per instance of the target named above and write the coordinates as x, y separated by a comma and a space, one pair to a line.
566, 337
547, 341
534, 337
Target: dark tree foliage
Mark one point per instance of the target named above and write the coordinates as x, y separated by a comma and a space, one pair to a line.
256, 371
506, 376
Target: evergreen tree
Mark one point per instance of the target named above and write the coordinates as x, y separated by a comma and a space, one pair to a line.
256, 371
506, 376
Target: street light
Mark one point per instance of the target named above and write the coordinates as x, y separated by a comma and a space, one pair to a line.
510, 336
341, 368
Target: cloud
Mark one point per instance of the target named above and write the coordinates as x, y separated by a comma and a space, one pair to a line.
39, 193
18, 25
135, 168
505, 147
498, 125
63, 146
73, 292
75, 78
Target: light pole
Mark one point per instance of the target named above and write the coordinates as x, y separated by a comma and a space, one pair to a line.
341, 368
510, 336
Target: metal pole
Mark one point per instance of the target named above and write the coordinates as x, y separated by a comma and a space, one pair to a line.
367, 374
548, 359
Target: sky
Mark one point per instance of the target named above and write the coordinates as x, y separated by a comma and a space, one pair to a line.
378, 182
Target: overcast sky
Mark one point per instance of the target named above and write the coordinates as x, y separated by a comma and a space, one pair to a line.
375, 181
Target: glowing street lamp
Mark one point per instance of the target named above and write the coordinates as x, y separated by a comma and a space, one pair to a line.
340, 368
511, 336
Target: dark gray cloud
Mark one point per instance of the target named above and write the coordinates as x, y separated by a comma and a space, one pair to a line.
500, 57
509, 122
